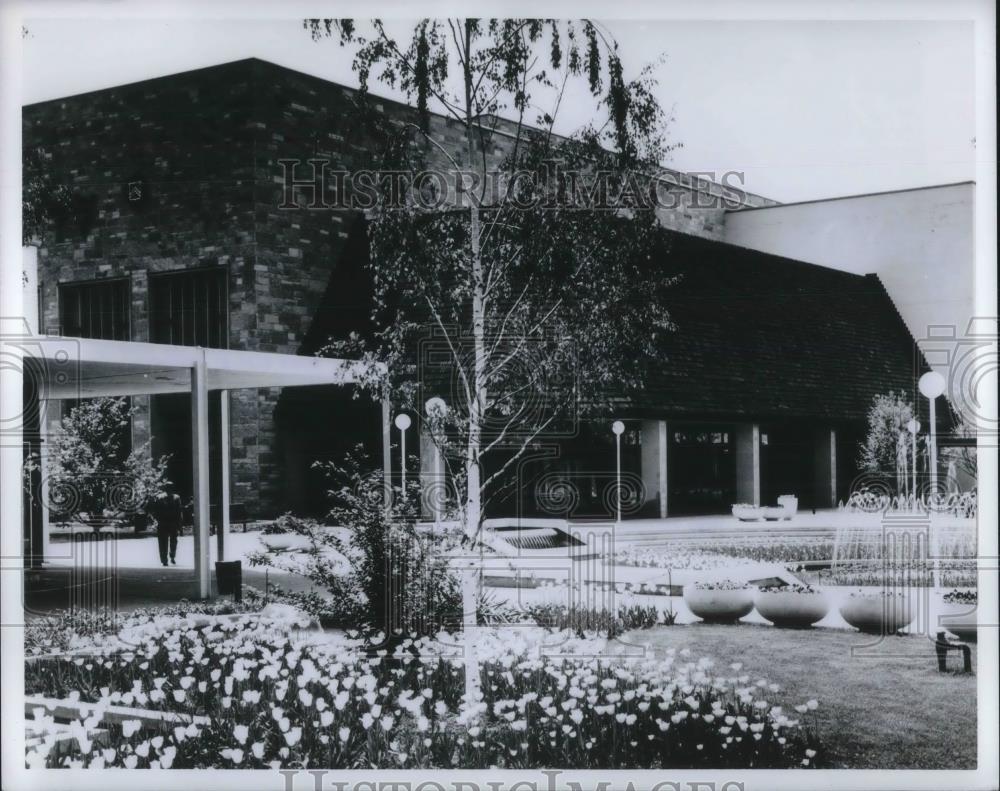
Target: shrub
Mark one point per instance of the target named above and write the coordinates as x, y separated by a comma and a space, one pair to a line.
92, 473
377, 570
588, 619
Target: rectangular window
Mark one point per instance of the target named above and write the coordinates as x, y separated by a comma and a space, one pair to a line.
95, 309
190, 308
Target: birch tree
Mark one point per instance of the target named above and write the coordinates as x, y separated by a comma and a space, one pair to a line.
548, 307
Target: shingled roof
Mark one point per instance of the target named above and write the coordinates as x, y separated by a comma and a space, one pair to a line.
757, 336
761, 336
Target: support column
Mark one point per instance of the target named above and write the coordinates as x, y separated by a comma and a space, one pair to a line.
224, 451
748, 463
826, 468
654, 463
199, 467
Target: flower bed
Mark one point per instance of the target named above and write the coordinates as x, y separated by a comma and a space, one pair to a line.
957, 573
273, 703
717, 553
579, 619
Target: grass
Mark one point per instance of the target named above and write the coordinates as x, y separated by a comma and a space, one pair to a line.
884, 707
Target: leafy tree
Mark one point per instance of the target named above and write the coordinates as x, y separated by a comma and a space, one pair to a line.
93, 475
546, 307
885, 448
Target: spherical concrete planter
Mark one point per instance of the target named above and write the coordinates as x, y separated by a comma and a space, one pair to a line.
773, 513
718, 605
959, 618
878, 613
792, 610
747, 513
283, 541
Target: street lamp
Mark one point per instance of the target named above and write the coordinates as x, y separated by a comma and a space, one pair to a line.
618, 428
932, 385
402, 423
914, 428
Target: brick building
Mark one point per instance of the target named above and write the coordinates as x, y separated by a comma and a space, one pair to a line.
180, 233
176, 234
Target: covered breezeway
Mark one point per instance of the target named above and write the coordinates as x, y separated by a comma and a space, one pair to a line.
62, 368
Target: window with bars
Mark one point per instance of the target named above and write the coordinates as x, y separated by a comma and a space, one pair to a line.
95, 309
190, 308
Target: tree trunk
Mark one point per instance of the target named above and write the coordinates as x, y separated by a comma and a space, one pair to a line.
472, 571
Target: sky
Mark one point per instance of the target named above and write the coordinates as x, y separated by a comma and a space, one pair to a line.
805, 110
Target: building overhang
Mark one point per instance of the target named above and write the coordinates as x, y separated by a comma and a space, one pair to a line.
71, 368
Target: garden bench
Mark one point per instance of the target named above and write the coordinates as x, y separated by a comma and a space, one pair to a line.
63, 739
942, 646
79, 710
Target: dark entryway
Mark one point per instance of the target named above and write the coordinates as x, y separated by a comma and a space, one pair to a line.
170, 421
788, 463
701, 460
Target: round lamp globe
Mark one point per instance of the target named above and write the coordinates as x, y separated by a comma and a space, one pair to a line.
931, 384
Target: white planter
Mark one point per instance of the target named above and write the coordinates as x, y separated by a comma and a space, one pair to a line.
792, 610
718, 605
878, 614
282, 541
790, 503
747, 513
773, 513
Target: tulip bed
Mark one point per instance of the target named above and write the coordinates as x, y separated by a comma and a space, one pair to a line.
274, 702
706, 554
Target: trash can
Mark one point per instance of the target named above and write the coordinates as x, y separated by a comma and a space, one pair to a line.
229, 578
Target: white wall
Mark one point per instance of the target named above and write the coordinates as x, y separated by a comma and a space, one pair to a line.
29, 269
919, 242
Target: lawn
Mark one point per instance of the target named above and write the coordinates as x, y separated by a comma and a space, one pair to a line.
890, 709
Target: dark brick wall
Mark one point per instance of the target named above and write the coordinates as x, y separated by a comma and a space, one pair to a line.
203, 147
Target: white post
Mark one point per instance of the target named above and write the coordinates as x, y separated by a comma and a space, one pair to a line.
932, 464
932, 461
662, 458
932, 385
199, 458
43, 463
914, 466
618, 428
618, 477
223, 534
470, 595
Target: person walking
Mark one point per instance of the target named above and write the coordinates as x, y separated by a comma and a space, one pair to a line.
168, 512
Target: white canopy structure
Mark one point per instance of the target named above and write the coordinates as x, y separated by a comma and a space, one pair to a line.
74, 368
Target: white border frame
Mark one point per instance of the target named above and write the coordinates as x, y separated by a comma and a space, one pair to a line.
980, 12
